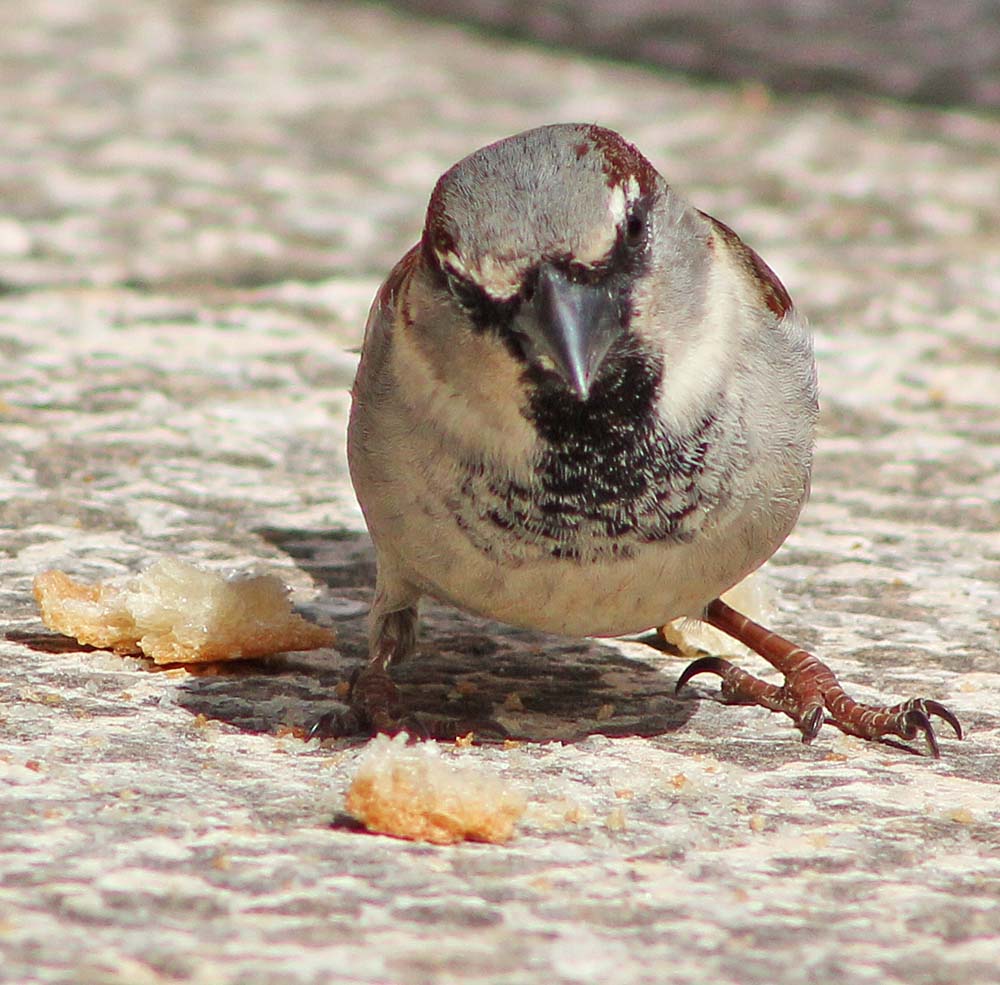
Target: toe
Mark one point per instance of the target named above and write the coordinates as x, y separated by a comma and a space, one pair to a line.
705, 665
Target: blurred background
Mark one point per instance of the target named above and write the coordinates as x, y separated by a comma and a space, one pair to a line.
935, 52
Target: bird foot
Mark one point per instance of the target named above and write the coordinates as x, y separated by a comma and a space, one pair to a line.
374, 707
812, 696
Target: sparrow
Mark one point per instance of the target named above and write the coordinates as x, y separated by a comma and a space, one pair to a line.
585, 407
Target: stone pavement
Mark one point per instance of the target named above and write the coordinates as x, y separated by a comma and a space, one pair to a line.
200, 200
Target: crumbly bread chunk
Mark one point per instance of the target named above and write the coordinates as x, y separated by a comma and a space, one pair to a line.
410, 791
175, 612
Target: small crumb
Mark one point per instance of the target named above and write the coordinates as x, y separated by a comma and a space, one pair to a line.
513, 702
835, 757
625, 793
555, 815
961, 815
175, 612
679, 781
755, 96
410, 791
615, 821
756, 822
605, 712
221, 861
34, 765
465, 741
512, 743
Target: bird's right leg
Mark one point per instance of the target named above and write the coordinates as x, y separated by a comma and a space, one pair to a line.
373, 704
374, 700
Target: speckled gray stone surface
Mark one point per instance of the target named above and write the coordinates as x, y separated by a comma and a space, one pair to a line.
200, 200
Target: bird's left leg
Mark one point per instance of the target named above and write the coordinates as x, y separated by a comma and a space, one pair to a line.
811, 693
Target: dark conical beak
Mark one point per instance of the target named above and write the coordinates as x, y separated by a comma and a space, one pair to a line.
569, 327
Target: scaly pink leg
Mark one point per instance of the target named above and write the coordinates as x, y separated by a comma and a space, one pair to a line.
811, 694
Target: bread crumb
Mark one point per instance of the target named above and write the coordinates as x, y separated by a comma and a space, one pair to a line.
557, 815
176, 613
615, 821
409, 791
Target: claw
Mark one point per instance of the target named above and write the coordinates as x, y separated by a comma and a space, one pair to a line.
423, 726
811, 722
916, 721
704, 665
936, 708
335, 724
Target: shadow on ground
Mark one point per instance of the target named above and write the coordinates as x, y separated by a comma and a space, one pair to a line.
538, 687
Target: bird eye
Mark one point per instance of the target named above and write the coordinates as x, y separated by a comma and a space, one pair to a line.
635, 230
528, 286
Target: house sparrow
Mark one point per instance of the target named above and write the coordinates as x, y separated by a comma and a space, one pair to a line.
585, 407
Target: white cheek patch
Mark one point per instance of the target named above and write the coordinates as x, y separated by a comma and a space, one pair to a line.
709, 351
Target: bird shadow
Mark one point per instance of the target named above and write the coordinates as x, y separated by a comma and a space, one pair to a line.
539, 687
